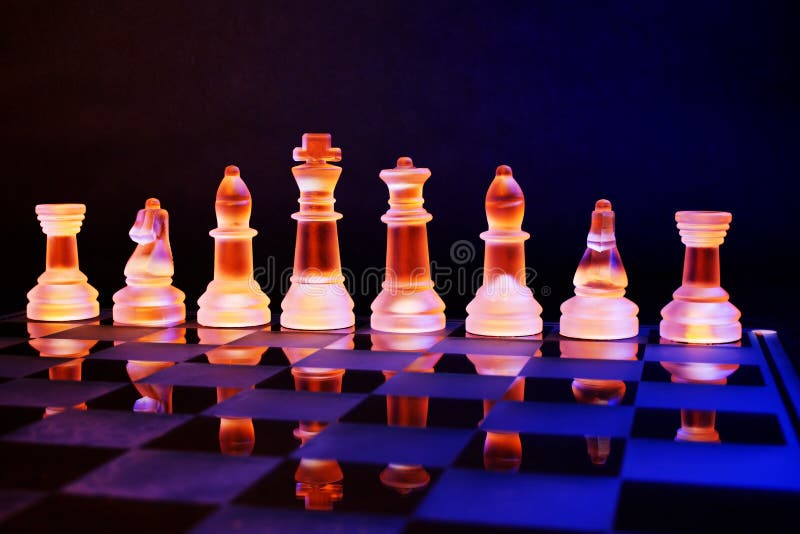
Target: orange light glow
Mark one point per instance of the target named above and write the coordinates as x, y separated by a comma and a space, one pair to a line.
317, 298
700, 311
63, 292
233, 298
149, 298
504, 305
599, 309
407, 303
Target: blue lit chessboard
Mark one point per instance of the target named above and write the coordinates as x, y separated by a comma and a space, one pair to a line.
96, 465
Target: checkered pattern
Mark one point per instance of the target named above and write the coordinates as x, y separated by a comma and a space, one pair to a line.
197, 429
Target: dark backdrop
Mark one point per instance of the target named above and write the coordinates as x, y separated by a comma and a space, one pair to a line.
657, 106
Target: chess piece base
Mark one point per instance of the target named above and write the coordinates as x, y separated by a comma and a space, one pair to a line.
62, 302
703, 435
149, 306
233, 304
317, 307
407, 311
701, 322
504, 308
600, 318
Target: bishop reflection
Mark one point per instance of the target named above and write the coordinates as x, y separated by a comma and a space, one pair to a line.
237, 436
595, 391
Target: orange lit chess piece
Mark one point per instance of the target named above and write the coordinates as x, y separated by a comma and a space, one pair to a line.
407, 302
504, 305
700, 311
502, 451
149, 298
596, 391
233, 298
62, 292
699, 425
72, 349
317, 298
599, 309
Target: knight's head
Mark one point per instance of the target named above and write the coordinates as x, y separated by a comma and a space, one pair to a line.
150, 222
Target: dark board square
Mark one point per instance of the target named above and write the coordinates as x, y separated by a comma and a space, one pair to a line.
233, 436
430, 412
732, 427
270, 356
102, 515
647, 507
355, 488
102, 370
48, 467
743, 375
13, 501
172, 399
14, 417
455, 363
560, 390
542, 453
362, 381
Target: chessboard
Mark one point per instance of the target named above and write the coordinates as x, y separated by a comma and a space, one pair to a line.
109, 428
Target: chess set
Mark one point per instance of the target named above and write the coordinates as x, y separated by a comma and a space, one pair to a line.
146, 417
